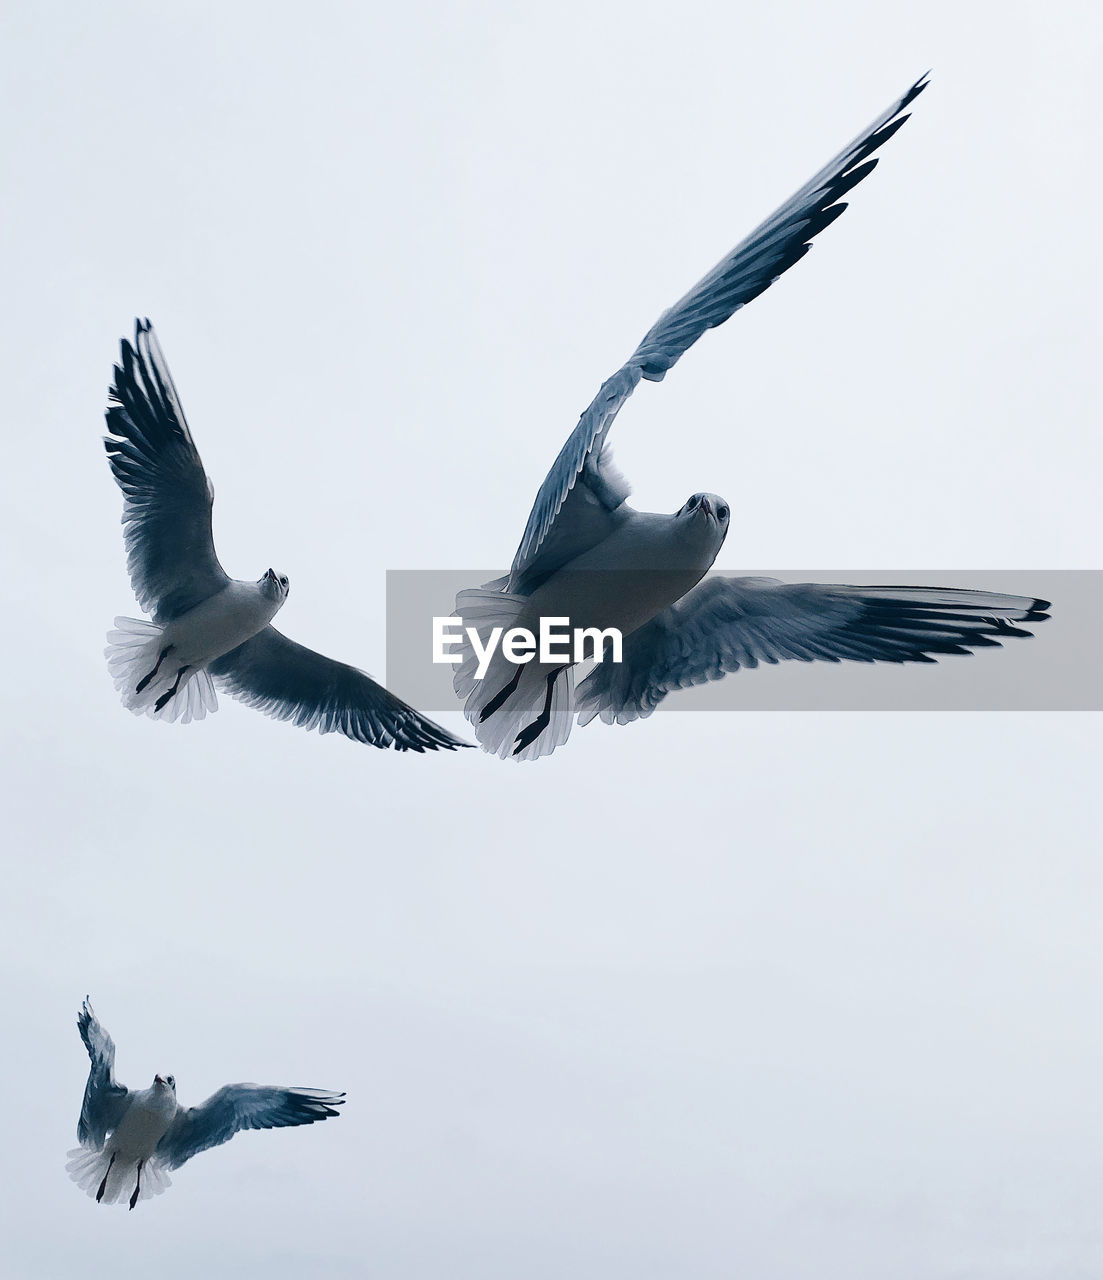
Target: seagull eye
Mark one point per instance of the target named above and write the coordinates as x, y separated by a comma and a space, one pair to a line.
722, 512
171, 1080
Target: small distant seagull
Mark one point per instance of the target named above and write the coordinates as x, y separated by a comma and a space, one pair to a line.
588, 557
208, 628
131, 1138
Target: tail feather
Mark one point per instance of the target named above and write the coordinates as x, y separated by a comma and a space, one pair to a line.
88, 1169
562, 719
485, 609
132, 653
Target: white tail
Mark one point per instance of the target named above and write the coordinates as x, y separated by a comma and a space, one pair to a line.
133, 651
485, 609
89, 1168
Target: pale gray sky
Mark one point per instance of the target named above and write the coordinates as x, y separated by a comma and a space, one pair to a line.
764, 994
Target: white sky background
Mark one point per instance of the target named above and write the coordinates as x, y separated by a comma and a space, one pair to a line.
761, 994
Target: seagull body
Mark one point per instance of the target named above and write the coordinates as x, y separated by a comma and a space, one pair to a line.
208, 628
130, 1139
622, 582
225, 620
662, 556
588, 557
130, 1152
149, 662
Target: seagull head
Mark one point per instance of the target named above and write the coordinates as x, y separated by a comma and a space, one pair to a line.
704, 521
708, 505
165, 1082
275, 585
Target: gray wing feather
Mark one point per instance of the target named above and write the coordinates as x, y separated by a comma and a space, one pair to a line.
242, 1106
105, 1100
287, 681
580, 498
167, 497
724, 624
751, 267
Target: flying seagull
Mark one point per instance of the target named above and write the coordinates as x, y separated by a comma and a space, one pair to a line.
587, 557
208, 628
131, 1138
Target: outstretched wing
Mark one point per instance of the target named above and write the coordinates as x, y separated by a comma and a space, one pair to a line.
105, 1099
167, 497
290, 682
242, 1106
724, 624
578, 501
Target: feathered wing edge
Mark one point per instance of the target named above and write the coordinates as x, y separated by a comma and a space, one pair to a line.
167, 496
725, 624
288, 681
237, 1107
104, 1098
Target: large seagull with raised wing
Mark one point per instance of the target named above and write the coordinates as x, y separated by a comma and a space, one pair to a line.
131, 1138
590, 560
209, 629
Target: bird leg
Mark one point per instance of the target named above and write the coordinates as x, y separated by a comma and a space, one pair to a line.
168, 697
103, 1184
500, 697
146, 679
534, 730
137, 1185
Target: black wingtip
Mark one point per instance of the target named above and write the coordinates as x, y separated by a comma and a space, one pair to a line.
426, 735
916, 89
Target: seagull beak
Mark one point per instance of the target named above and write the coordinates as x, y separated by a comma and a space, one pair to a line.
271, 575
158, 1080
705, 507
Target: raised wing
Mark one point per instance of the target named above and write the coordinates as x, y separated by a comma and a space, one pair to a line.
582, 492
287, 681
580, 501
105, 1099
724, 624
242, 1106
167, 497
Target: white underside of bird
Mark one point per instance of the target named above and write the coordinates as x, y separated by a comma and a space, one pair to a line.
128, 1165
161, 671
646, 563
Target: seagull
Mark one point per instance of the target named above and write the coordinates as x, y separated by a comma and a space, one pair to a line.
208, 628
131, 1138
589, 558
